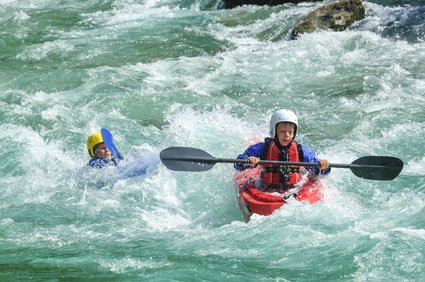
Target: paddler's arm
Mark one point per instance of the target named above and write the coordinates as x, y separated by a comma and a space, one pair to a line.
311, 157
255, 150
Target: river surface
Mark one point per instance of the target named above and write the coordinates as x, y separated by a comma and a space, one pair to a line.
180, 73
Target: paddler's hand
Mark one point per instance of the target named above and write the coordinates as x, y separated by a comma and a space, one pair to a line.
323, 164
253, 161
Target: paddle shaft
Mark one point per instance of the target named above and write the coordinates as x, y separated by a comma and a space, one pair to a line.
278, 163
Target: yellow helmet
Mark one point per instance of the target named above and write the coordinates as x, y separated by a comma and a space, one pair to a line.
92, 141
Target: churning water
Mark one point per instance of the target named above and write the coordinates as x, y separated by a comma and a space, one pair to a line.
180, 73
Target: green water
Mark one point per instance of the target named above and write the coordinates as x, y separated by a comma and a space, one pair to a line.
164, 73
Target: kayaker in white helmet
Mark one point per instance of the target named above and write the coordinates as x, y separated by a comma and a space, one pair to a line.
281, 146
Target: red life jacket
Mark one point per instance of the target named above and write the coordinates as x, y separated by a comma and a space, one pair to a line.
275, 176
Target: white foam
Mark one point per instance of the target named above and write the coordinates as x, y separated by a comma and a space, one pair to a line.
123, 265
43, 50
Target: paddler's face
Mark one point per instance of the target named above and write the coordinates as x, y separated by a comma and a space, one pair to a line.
102, 152
285, 132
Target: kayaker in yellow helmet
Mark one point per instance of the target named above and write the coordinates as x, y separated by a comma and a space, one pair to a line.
104, 153
282, 147
99, 152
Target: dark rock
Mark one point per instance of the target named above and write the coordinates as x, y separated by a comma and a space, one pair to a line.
334, 16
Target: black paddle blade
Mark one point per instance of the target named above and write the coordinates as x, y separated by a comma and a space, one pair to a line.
186, 159
377, 167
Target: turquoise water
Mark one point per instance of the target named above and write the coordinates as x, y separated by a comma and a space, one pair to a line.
180, 73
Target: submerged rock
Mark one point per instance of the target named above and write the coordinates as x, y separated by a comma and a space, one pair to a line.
230, 4
334, 16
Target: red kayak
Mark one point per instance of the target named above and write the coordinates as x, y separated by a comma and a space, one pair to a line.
251, 200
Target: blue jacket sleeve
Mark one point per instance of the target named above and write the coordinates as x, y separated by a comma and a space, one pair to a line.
311, 157
98, 163
101, 163
255, 150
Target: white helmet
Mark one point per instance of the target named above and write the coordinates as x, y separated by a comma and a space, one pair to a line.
282, 116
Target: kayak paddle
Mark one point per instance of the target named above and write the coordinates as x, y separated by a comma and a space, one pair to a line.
192, 159
109, 143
